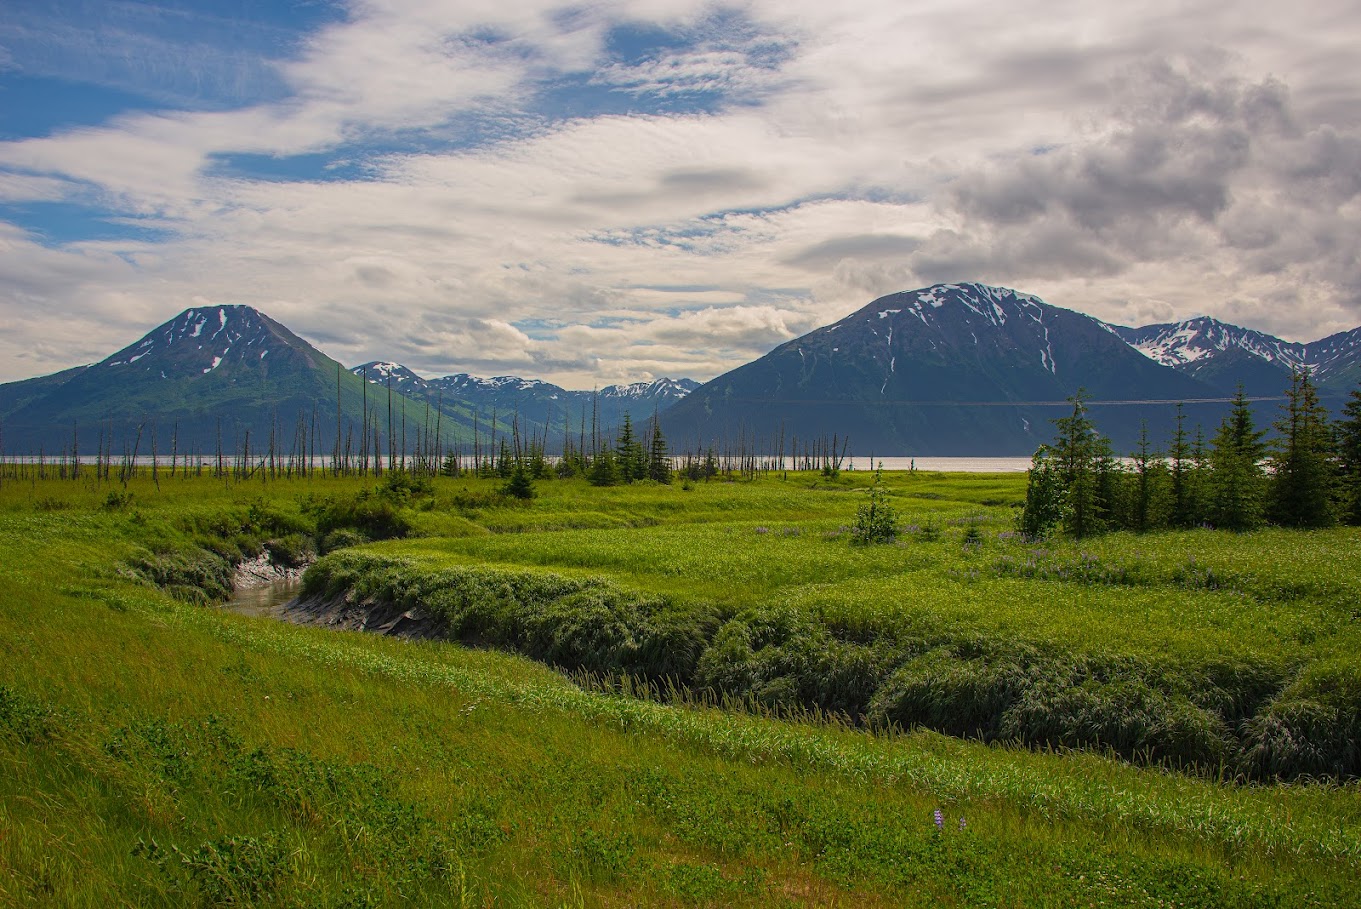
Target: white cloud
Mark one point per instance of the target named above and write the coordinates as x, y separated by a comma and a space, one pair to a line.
851, 155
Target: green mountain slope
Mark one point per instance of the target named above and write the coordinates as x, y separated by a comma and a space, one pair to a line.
227, 372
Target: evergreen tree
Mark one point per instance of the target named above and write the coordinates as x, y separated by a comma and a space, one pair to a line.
1236, 478
629, 458
1182, 496
1045, 496
1349, 459
1075, 482
519, 486
1109, 476
709, 468
877, 520
658, 458
1198, 478
538, 465
604, 469
1303, 472
1085, 464
1146, 509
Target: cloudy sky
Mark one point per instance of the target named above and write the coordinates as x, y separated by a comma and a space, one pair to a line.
602, 191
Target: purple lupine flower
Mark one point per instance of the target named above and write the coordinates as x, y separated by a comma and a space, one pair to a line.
940, 819
961, 823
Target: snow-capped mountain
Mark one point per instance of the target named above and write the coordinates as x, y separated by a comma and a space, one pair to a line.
398, 376
537, 404
210, 371
1191, 341
1336, 360
202, 340
664, 391
1224, 355
948, 369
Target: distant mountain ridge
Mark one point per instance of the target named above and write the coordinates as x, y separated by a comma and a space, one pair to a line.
951, 369
1223, 355
966, 369
218, 372
537, 403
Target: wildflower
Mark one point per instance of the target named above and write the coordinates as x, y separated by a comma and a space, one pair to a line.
961, 823
940, 819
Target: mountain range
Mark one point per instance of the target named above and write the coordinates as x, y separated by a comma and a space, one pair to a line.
227, 374
1223, 355
970, 369
535, 403
953, 369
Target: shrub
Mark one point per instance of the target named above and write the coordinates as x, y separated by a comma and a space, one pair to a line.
340, 539
875, 521
189, 573
520, 486
292, 551
376, 518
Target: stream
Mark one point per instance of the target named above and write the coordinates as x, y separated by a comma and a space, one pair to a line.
265, 599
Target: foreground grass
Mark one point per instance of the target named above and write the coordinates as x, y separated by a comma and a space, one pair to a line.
154, 752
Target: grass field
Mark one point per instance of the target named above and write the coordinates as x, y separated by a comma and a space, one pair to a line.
155, 750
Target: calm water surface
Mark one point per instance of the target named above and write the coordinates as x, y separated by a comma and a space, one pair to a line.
953, 465
266, 600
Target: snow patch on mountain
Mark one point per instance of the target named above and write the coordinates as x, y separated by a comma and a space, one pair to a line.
1192, 340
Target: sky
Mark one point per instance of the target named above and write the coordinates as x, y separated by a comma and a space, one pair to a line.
601, 192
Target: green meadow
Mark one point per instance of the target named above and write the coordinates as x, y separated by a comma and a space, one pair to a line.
698, 694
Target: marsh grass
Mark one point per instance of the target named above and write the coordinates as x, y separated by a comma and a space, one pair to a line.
156, 752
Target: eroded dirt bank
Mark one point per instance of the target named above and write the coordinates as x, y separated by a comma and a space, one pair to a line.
367, 615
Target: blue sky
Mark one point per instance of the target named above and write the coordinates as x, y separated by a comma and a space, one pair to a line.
624, 190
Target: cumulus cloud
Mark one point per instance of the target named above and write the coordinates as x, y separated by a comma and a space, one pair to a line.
1187, 165
771, 167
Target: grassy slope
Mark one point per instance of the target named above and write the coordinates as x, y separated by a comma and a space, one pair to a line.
1233, 653
160, 753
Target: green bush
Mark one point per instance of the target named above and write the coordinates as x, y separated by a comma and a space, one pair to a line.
376, 518
876, 521
291, 551
1312, 728
1213, 713
190, 573
340, 539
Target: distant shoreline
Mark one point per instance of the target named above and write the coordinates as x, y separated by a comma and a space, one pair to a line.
1013, 464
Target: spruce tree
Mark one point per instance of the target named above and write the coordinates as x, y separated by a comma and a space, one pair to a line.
709, 468
1146, 510
1085, 464
604, 470
1045, 496
1198, 478
1349, 459
1236, 478
658, 458
629, 458
539, 468
1303, 472
1182, 497
519, 486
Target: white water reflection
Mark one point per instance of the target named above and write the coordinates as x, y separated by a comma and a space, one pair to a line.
948, 465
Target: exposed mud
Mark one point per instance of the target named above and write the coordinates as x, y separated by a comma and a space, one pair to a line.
261, 572
380, 618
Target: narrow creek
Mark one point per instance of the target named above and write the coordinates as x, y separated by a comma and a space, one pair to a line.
264, 599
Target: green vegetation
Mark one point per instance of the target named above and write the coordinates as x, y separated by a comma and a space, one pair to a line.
1309, 477
726, 641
